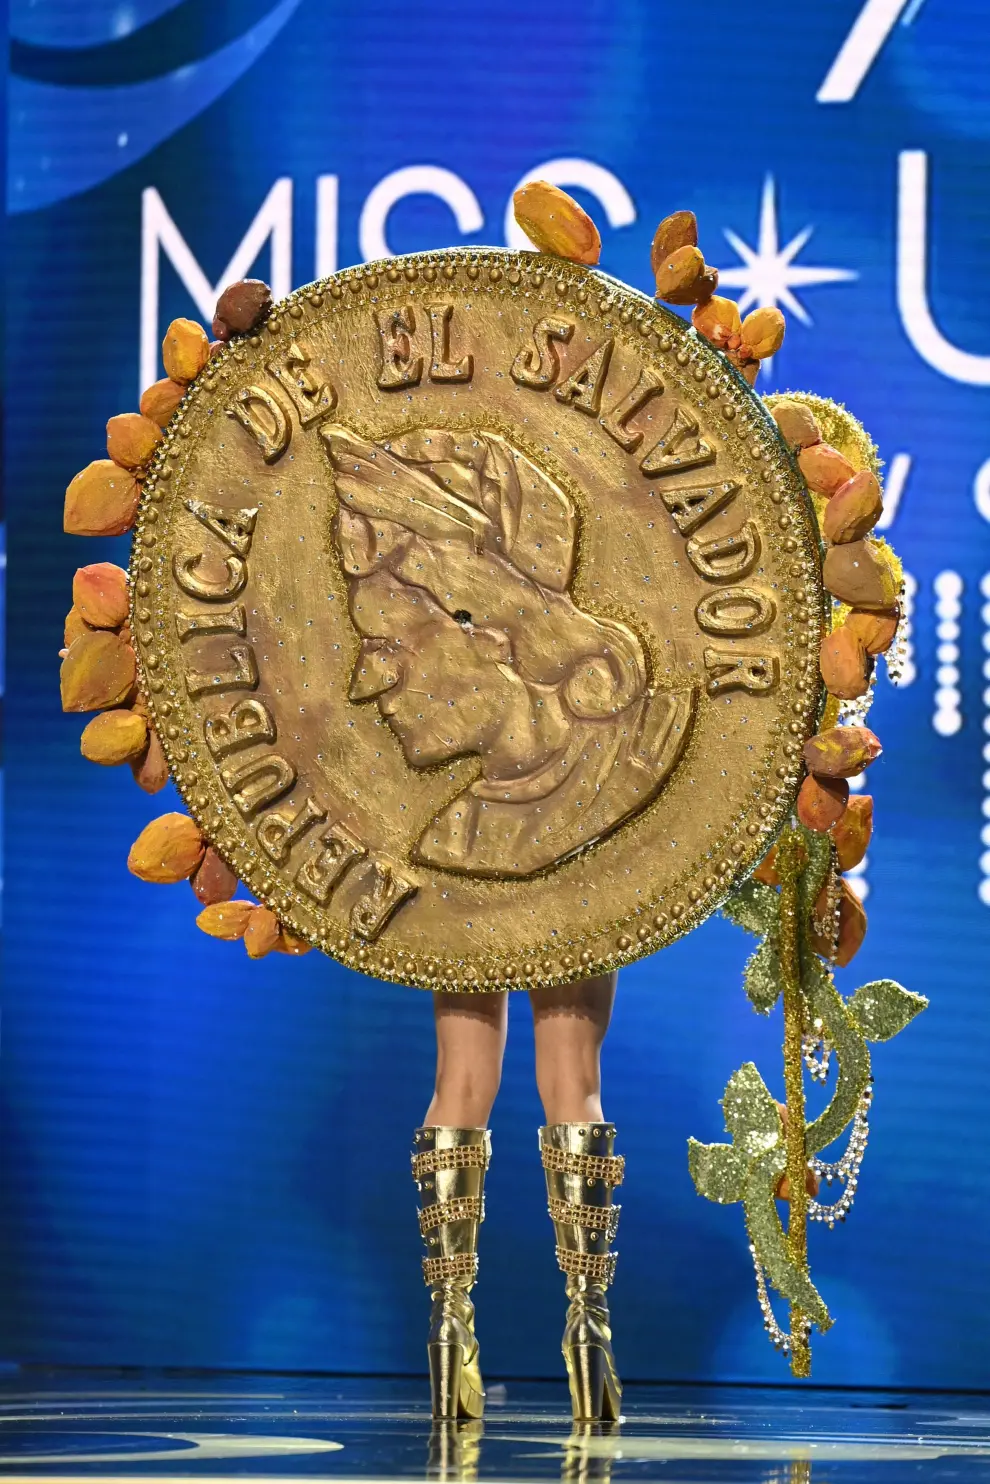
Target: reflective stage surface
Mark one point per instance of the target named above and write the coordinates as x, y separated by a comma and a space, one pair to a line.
101, 1425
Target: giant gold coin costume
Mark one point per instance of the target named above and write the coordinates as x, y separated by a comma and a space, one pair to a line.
495, 633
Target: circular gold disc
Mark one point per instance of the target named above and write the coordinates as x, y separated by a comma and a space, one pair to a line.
478, 603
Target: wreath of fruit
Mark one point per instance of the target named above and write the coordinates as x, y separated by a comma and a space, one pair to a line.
799, 902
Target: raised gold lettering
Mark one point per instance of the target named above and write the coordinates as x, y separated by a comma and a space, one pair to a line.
725, 558
235, 528
442, 368
756, 673
242, 676
399, 367
538, 365
215, 621
680, 448
244, 725
736, 611
583, 388
333, 854
311, 397
255, 784
265, 419
208, 589
279, 833
616, 422
693, 506
389, 890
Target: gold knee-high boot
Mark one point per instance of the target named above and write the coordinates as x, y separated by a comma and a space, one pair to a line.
581, 1173
449, 1167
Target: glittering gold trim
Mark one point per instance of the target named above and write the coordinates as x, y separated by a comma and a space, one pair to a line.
598, 1266
704, 882
450, 1269
608, 1167
462, 1208
590, 1218
461, 1157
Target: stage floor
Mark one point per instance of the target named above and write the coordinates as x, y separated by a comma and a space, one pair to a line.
101, 1425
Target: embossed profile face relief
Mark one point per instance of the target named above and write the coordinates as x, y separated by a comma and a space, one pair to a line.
459, 555
477, 603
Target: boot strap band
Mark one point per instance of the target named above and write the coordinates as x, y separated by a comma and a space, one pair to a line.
447, 1269
592, 1218
609, 1168
462, 1208
599, 1266
460, 1157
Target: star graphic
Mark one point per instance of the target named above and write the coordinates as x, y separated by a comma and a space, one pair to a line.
769, 272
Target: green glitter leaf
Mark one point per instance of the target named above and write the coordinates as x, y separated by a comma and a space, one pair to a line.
761, 977
718, 1171
851, 1052
751, 1115
754, 907
767, 1236
884, 1007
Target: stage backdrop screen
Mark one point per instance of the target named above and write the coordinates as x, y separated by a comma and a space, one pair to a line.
205, 1160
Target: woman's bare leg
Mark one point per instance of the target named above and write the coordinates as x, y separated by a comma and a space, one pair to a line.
470, 1043
570, 1024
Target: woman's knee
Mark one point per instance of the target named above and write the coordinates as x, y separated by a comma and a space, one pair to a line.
464, 1093
468, 1082
569, 1090
557, 1079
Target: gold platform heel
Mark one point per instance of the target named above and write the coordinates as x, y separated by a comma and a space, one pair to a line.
581, 1173
449, 1167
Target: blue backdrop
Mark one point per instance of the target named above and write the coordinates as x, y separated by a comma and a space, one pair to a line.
205, 1160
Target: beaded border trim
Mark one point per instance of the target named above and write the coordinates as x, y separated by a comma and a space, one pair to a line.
607, 1167
593, 1218
599, 1266
762, 456
460, 1157
448, 1269
461, 1208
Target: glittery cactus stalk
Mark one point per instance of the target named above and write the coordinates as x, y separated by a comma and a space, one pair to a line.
789, 863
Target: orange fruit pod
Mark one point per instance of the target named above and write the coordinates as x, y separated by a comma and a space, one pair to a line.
555, 223
132, 439
226, 920
168, 850
100, 595
185, 350
844, 665
821, 802
680, 229
841, 752
214, 881
150, 770
797, 424
114, 737
854, 509
262, 932
825, 468
161, 399
97, 672
853, 831
101, 500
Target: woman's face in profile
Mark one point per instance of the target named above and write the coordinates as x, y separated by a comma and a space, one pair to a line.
436, 678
